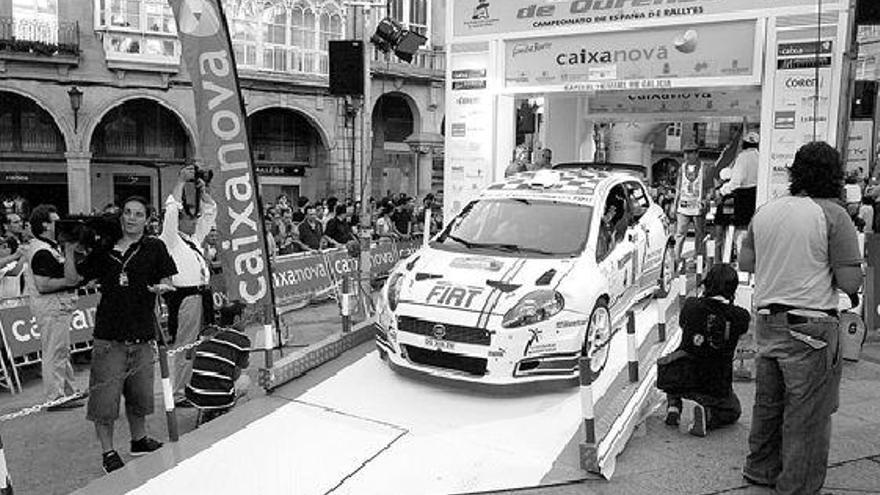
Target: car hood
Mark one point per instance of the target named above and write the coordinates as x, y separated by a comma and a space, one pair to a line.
476, 281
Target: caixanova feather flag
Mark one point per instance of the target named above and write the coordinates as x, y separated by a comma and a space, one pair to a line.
207, 50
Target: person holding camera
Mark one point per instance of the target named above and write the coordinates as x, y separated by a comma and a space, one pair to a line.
701, 369
132, 269
51, 285
191, 305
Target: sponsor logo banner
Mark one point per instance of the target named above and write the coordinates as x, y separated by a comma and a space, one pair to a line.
721, 101
481, 17
22, 333
300, 275
207, 51
612, 60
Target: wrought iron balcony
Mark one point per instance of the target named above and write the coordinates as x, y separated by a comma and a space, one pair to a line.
38, 38
426, 63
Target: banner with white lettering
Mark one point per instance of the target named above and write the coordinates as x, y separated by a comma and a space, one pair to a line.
484, 17
20, 332
207, 51
298, 276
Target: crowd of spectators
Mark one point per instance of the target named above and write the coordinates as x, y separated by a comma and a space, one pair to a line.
305, 225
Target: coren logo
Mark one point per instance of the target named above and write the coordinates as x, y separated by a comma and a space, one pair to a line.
585, 57
800, 82
197, 18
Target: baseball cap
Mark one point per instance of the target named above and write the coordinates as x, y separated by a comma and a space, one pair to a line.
690, 146
751, 138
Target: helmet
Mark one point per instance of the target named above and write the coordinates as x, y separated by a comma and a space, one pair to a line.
751, 138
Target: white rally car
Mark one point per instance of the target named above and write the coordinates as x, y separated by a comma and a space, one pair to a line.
538, 270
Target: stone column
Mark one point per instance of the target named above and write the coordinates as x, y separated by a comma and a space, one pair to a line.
425, 172
79, 182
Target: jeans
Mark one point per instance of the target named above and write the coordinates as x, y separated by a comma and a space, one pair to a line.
796, 393
121, 370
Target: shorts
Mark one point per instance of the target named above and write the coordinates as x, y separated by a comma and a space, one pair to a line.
111, 361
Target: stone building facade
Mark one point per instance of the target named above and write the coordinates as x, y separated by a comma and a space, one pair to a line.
134, 123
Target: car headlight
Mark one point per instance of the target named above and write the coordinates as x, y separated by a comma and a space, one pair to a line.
395, 282
535, 307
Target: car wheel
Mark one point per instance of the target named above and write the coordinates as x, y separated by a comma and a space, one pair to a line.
598, 339
667, 272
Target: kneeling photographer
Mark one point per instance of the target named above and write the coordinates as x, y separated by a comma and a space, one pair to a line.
132, 269
190, 306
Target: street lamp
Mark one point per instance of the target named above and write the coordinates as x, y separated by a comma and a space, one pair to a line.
76, 97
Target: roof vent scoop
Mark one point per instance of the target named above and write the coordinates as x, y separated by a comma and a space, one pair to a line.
546, 278
545, 179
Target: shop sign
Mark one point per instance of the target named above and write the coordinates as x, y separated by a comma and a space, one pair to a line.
32, 178
645, 59
131, 180
482, 17
858, 155
705, 102
280, 171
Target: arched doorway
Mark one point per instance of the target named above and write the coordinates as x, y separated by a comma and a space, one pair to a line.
34, 169
137, 149
393, 168
289, 155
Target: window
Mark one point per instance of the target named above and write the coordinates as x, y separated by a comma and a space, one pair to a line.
524, 227
418, 16
330, 29
138, 30
275, 39
638, 199
35, 20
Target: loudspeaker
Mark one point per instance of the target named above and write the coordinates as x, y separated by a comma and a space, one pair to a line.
346, 67
867, 12
864, 99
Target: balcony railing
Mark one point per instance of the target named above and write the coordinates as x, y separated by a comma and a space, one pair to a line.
428, 62
39, 37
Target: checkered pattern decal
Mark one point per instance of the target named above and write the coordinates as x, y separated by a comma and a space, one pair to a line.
573, 182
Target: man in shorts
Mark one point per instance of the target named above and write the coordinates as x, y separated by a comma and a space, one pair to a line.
131, 271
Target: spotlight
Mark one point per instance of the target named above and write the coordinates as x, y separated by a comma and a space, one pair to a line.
391, 36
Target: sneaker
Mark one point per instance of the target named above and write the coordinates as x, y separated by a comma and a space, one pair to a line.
111, 461
144, 446
701, 420
672, 416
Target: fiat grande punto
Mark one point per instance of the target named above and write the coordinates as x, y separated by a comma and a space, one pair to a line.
536, 272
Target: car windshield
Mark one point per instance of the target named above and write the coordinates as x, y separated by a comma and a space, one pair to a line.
529, 227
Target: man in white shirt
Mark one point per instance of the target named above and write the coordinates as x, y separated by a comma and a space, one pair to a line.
743, 184
189, 305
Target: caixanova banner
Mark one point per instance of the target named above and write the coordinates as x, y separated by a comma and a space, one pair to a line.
671, 52
207, 51
480, 17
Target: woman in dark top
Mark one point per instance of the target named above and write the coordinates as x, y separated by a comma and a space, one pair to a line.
701, 369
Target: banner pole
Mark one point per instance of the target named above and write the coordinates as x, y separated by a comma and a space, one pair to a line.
257, 194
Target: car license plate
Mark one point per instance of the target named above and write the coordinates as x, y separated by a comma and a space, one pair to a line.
442, 345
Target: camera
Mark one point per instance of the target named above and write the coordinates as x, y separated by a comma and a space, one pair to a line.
90, 231
204, 174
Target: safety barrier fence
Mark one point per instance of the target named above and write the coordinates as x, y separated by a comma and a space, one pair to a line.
298, 277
